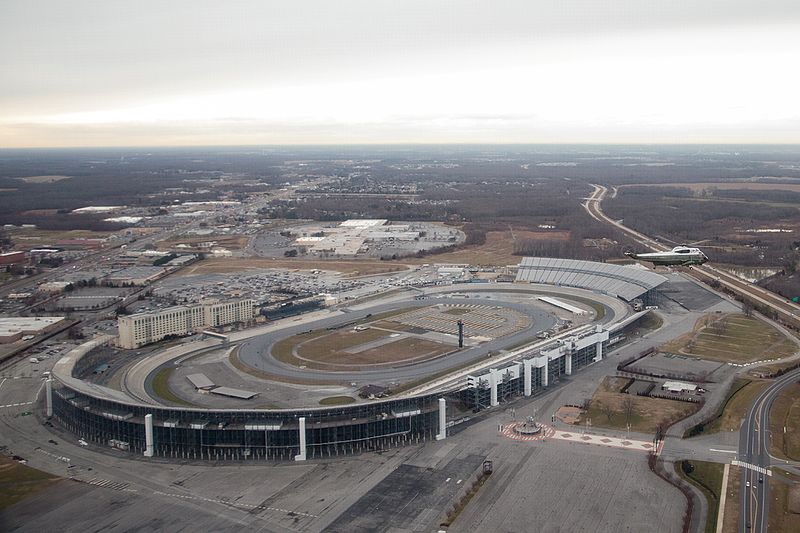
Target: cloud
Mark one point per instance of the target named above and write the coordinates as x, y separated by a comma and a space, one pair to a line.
387, 71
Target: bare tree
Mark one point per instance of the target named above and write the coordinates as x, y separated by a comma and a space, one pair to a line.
628, 408
607, 410
747, 308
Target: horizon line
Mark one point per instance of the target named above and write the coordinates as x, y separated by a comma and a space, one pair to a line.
397, 144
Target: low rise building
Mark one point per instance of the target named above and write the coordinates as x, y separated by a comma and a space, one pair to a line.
144, 328
135, 276
12, 258
13, 329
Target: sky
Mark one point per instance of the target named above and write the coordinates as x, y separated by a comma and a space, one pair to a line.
154, 73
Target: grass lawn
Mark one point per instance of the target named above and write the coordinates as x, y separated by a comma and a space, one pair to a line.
233, 358
338, 340
785, 413
740, 397
162, 390
784, 505
458, 311
651, 322
607, 409
730, 520
337, 400
733, 338
708, 478
19, 481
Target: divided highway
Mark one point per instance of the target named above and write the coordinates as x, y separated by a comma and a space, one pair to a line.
754, 449
788, 312
754, 432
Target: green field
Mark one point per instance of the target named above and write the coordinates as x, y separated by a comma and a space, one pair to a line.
708, 478
732, 338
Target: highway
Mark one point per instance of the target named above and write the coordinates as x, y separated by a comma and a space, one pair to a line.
754, 449
754, 432
787, 311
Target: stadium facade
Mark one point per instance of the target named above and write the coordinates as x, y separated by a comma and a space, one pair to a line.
103, 416
109, 417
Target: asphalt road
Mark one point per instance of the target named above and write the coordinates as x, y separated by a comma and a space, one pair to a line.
754, 449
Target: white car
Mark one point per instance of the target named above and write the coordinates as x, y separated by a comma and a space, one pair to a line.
747, 484
84, 443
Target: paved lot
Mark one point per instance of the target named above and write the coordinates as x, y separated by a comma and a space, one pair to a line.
411, 498
572, 487
666, 364
688, 293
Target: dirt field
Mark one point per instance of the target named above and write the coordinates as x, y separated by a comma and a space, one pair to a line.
337, 341
784, 511
497, 251
348, 268
409, 348
732, 338
332, 350
607, 409
33, 236
785, 413
43, 179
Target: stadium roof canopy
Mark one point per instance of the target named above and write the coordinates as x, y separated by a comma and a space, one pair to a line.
624, 281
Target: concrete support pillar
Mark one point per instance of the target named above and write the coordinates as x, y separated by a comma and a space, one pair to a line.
546, 372
48, 389
599, 351
302, 429
493, 375
527, 379
568, 363
148, 435
442, 419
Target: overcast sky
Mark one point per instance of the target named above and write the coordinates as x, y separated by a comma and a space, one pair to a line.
128, 73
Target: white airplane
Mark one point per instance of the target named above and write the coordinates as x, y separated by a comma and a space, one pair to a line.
678, 256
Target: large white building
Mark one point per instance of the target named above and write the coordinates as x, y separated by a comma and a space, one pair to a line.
144, 328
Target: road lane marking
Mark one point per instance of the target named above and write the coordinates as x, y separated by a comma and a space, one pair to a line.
15, 404
722, 451
234, 504
756, 468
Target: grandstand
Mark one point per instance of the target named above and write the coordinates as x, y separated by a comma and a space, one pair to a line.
624, 282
